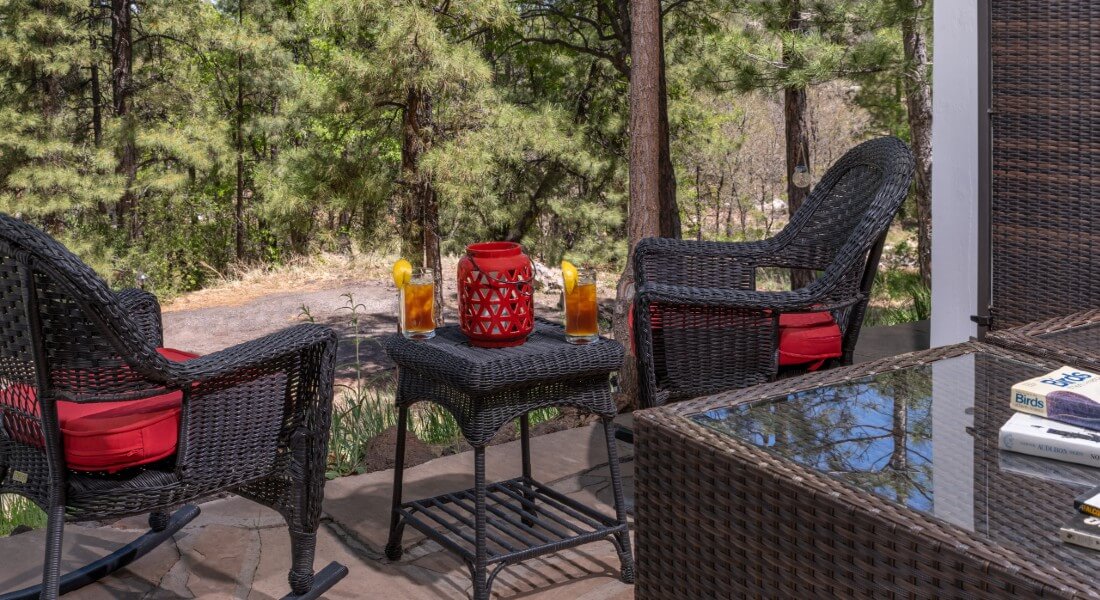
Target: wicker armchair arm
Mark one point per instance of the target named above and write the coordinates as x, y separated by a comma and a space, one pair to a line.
811, 298
256, 404
729, 265
254, 354
656, 246
144, 309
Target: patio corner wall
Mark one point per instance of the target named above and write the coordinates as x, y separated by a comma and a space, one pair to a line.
955, 175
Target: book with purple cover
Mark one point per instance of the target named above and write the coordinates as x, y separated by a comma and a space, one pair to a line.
1068, 395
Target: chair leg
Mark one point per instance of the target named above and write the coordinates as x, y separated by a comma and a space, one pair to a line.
158, 520
397, 524
626, 557
302, 548
51, 568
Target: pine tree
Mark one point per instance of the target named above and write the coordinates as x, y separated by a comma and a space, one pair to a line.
50, 166
409, 57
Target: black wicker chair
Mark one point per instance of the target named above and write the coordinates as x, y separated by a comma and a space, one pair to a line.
253, 419
700, 325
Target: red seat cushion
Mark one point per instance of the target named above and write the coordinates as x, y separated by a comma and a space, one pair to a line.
111, 436
808, 339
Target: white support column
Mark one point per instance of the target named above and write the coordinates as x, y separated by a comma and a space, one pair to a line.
955, 172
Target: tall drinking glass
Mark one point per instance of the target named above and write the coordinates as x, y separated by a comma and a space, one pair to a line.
418, 306
581, 309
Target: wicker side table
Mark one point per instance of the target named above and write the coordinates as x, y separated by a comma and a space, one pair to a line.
494, 525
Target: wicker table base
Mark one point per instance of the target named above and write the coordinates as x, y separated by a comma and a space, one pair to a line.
494, 525
528, 519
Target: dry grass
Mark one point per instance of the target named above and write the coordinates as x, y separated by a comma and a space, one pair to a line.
241, 284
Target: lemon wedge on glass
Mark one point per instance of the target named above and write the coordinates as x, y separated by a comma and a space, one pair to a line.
568, 275
402, 273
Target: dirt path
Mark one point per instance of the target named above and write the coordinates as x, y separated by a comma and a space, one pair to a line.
212, 328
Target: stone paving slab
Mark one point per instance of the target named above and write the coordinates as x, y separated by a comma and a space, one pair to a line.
238, 549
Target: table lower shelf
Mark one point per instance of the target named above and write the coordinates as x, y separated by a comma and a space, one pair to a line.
524, 519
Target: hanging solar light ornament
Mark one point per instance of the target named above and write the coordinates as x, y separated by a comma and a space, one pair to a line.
801, 177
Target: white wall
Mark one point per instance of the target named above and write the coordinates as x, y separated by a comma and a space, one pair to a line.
954, 172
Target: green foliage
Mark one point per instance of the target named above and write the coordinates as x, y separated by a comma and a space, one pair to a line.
293, 110
16, 511
901, 298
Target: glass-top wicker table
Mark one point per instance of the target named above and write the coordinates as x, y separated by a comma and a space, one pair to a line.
882, 479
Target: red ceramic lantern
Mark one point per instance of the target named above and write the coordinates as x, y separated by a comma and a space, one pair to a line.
496, 306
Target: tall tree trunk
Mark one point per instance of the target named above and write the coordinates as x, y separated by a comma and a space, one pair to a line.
718, 206
97, 93
918, 100
238, 134
122, 89
699, 195
49, 83
94, 16
646, 135
419, 202
670, 210
796, 126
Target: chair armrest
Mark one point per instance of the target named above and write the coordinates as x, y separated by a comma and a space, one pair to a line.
727, 265
812, 298
655, 246
256, 404
258, 354
144, 309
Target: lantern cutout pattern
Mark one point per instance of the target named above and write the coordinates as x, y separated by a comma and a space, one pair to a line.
495, 295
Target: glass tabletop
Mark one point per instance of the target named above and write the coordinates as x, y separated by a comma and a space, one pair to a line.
924, 437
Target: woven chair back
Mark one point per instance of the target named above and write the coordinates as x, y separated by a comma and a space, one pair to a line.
63, 333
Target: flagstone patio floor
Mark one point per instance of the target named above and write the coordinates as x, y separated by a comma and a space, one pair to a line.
238, 549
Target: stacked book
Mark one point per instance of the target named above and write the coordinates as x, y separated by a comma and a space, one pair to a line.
1058, 417
1084, 528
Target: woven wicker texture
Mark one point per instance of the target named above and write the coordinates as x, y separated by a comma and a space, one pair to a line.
1045, 181
1070, 340
699, 324
484, 388
720, 517
255, 416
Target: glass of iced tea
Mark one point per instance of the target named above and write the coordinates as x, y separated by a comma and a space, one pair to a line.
418, 306
581, 309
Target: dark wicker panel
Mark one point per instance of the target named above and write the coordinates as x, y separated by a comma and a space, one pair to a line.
1045, 186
